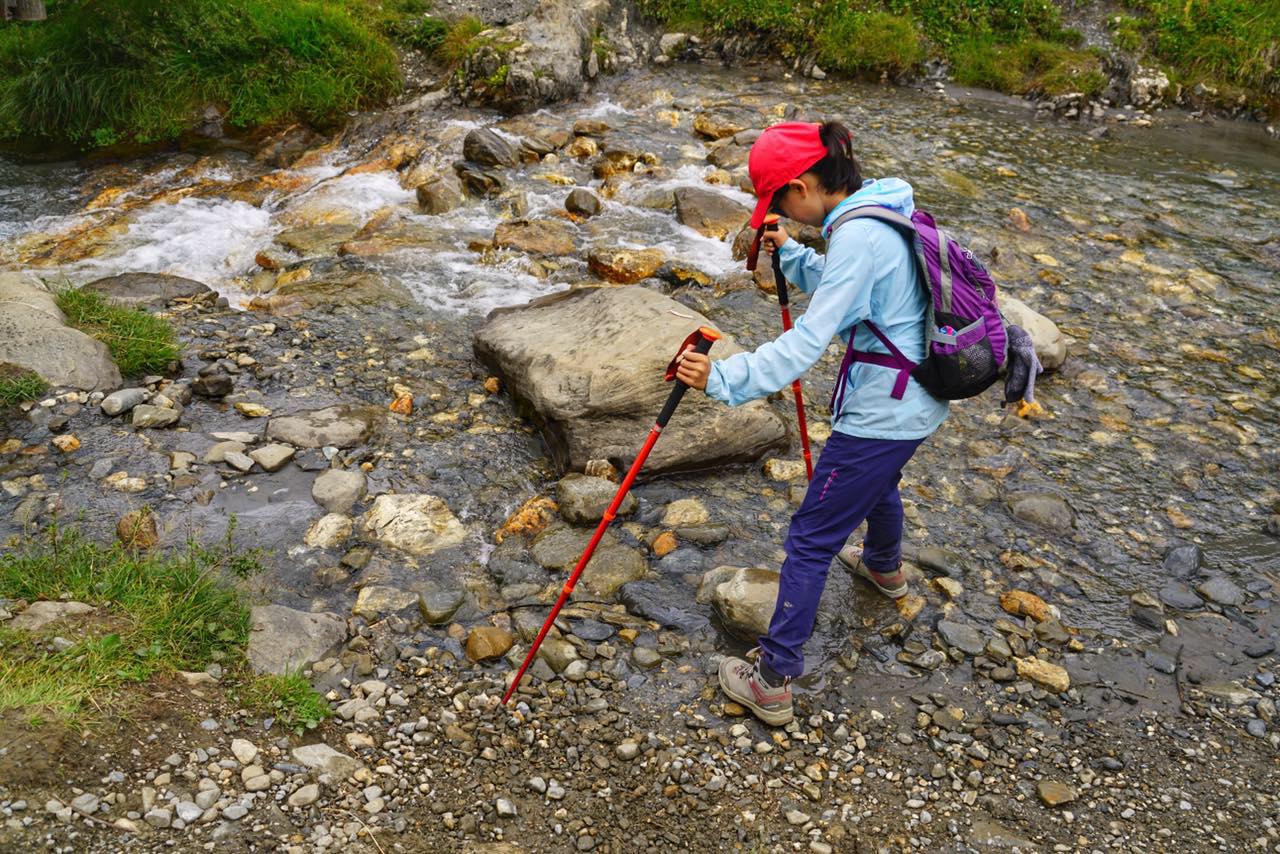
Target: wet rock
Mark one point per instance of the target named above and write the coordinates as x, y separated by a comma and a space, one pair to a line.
377, 601
582, 202
1221, 590
477, 181
417, 524
592, 630
440, 195
146, 416
613, 564
1051, 347
337, 289
272, 457
334, 426
124, 400
1147, 610
710, 213
40, 614
720, 124
962, 636
282, 639
1022, 603
743, 598
337, 491
1054, 794
1043, 673
535, 237
558, 653
318, 241
651, 601
685, 512
329, 531
323, 759
215, 385
1180, 596
439, 607
148, 290
34, 338
1044, 509
489, 148
218, 453
589, 363
486, 642
644, 657
784, 470
305, 796
158, 817
583, 500
625, 266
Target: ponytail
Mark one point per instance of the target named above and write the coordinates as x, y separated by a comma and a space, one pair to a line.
839, 170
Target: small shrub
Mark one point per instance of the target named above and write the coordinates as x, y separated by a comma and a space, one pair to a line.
289, 699
139, 342
460, 41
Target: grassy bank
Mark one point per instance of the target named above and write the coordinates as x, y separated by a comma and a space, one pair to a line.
140, 343
18, 387
156, 614
1015, 46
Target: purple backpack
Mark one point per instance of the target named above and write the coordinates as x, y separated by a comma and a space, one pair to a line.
966, 341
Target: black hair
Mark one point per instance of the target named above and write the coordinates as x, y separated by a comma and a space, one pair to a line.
838, 170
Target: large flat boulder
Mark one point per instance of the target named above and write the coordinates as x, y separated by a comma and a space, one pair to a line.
282, 639
147, 290
35, 338
589, 364
343, 426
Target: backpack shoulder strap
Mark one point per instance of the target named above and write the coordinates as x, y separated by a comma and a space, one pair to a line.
903, 225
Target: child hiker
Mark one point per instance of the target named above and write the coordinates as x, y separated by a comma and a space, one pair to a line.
808, 173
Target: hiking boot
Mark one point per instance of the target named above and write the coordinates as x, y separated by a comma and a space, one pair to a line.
743, 682
892, 584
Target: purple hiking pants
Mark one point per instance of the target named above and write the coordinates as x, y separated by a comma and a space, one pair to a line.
855, 479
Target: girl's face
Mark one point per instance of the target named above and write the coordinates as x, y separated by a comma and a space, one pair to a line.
803, 201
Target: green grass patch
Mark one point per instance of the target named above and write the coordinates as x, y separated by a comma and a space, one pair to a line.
157, 613
289, 699
460, 41
873, 42
139, 342
19, 387
1034, 66
101, 72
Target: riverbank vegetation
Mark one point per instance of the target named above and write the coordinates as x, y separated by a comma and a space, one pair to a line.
1015, 46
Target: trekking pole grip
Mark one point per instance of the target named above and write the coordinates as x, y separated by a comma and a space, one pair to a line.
702, 341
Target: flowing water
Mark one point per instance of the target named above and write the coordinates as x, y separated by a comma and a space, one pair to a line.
1156, 251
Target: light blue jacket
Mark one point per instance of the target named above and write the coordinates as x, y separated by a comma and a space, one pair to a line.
866, 274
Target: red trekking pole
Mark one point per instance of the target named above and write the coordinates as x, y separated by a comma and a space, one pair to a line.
753, 255
701, 342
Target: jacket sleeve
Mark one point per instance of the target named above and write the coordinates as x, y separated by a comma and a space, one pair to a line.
841, 299
801, 265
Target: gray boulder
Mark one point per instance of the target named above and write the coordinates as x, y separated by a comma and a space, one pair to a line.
35, 338
337, 491
709, 213
282, 639
336, 426
489, 148
583, 500
589, 364
148, 290
742, 597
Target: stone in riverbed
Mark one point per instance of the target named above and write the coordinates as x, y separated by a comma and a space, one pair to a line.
272, 457
34, 338
440, 195
589, 364
337, 491
582, 202
215, 385
439, 607
488, 148
962, 636
146, 416
148, 290
329, 531
486, 642
323, 759
583, 500
124, 400
377, 601
1051, 347
218, 453
1178, 595
625, 266
1044, 673
559, 547
710, 213
1044, 509
282, 639
1221, 590
535, 237
742, 597
334, 426
1055, 794
417, 524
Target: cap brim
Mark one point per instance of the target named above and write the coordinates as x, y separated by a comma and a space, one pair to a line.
762, 210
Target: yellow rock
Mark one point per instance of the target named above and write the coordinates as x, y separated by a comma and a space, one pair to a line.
1179, 519
664, 544
532, 516
485, 642
289, 277
66, 443
8, 446
492, 385
1022, 603
252, 410
910, 606
1047, 260
1044, 674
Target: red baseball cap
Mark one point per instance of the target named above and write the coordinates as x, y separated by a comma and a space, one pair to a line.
782, 153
